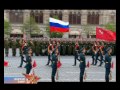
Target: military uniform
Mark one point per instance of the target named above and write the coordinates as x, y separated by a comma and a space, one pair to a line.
13, 48
50, 48
82, 64
31, 44
24, 55
76, 54
107, 65
93, 54
6, 47
64, 48
28, 64
101, 54
96, 53
54, 65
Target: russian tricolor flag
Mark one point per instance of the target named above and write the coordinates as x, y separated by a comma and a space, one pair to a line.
58, 25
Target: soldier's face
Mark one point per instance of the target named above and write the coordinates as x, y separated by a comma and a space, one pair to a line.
110, 50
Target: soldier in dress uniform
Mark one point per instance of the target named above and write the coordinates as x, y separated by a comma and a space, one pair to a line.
54, 63
28, 61
76, 53
13, 47
50, 48
97, 52
101, 53
24, 50
82, 63
108, 59
6, 47
93, 53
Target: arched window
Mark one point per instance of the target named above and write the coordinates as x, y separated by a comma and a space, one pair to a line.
60, 15
74, 18
97, 18
40, 17
70, 17
36, 16
16, 16
32, 14
78, 18
51, 14
93, 18
89, 18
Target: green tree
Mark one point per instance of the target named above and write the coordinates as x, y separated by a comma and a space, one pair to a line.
53, 34
30, 26
111, 26
7, 27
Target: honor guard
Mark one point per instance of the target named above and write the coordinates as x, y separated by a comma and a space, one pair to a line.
101, 53
93, 53
97, 51
76, 53
54, 64
108, 63
82, 63
50, 48
6, 47
24, 49
28, 61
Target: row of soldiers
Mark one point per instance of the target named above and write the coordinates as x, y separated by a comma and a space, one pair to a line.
39, 46
54, 48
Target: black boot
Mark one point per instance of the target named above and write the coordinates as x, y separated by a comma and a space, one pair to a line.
53, 79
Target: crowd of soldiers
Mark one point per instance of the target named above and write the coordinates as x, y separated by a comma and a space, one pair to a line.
39, 47
53, 49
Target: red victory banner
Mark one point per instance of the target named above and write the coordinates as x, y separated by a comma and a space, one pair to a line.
104, 34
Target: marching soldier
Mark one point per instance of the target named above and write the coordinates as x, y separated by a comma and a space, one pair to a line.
20, 46
97, 52
64, 48
54, 64
93, 53
50, 48
6, 47
28, 61
76, 53
108, 63
13, 47
31, 44
24, 50
101, 53
82, 63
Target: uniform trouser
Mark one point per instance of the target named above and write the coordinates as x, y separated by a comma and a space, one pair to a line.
107, 74
96, 58
49, 58
28, 69
101, 57
81, 74
93, 59
75, 57
22, 57
6, 51
14, 51
54, 69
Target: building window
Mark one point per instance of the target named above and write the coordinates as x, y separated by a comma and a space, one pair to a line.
16, 16
58, 14
75, 18
93, 18
79, 18
38, 16
70, 18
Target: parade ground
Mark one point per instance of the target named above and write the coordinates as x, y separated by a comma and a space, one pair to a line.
67, 72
